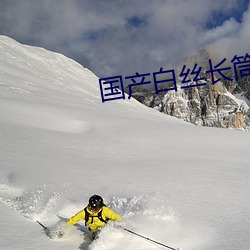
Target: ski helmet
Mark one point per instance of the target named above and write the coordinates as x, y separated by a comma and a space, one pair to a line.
95, 202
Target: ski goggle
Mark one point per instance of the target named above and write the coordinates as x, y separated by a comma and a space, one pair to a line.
94, 208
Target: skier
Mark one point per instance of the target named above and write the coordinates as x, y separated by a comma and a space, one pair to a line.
95, 214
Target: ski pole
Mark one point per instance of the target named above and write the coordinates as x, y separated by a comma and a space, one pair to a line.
146, 238
45, 228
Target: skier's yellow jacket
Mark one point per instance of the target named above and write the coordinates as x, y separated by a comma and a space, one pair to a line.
94, 223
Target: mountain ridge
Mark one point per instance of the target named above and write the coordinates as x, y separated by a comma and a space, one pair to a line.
212, 105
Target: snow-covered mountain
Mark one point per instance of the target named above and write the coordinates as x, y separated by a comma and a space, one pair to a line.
183, 185
224, 104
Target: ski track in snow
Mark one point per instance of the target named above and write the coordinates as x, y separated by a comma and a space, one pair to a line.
42, 116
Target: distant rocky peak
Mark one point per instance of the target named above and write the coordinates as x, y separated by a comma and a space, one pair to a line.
206, 104
201, 58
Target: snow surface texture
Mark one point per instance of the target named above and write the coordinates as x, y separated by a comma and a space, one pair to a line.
173, 182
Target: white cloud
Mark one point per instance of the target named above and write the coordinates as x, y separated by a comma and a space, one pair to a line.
97, 32
235, 42
228, 28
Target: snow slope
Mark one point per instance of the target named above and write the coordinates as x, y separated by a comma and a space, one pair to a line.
176, 183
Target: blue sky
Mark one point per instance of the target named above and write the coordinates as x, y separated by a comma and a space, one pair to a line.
218, 17
121, 37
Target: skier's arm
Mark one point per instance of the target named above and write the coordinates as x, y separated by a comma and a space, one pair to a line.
77, 217
110, 214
